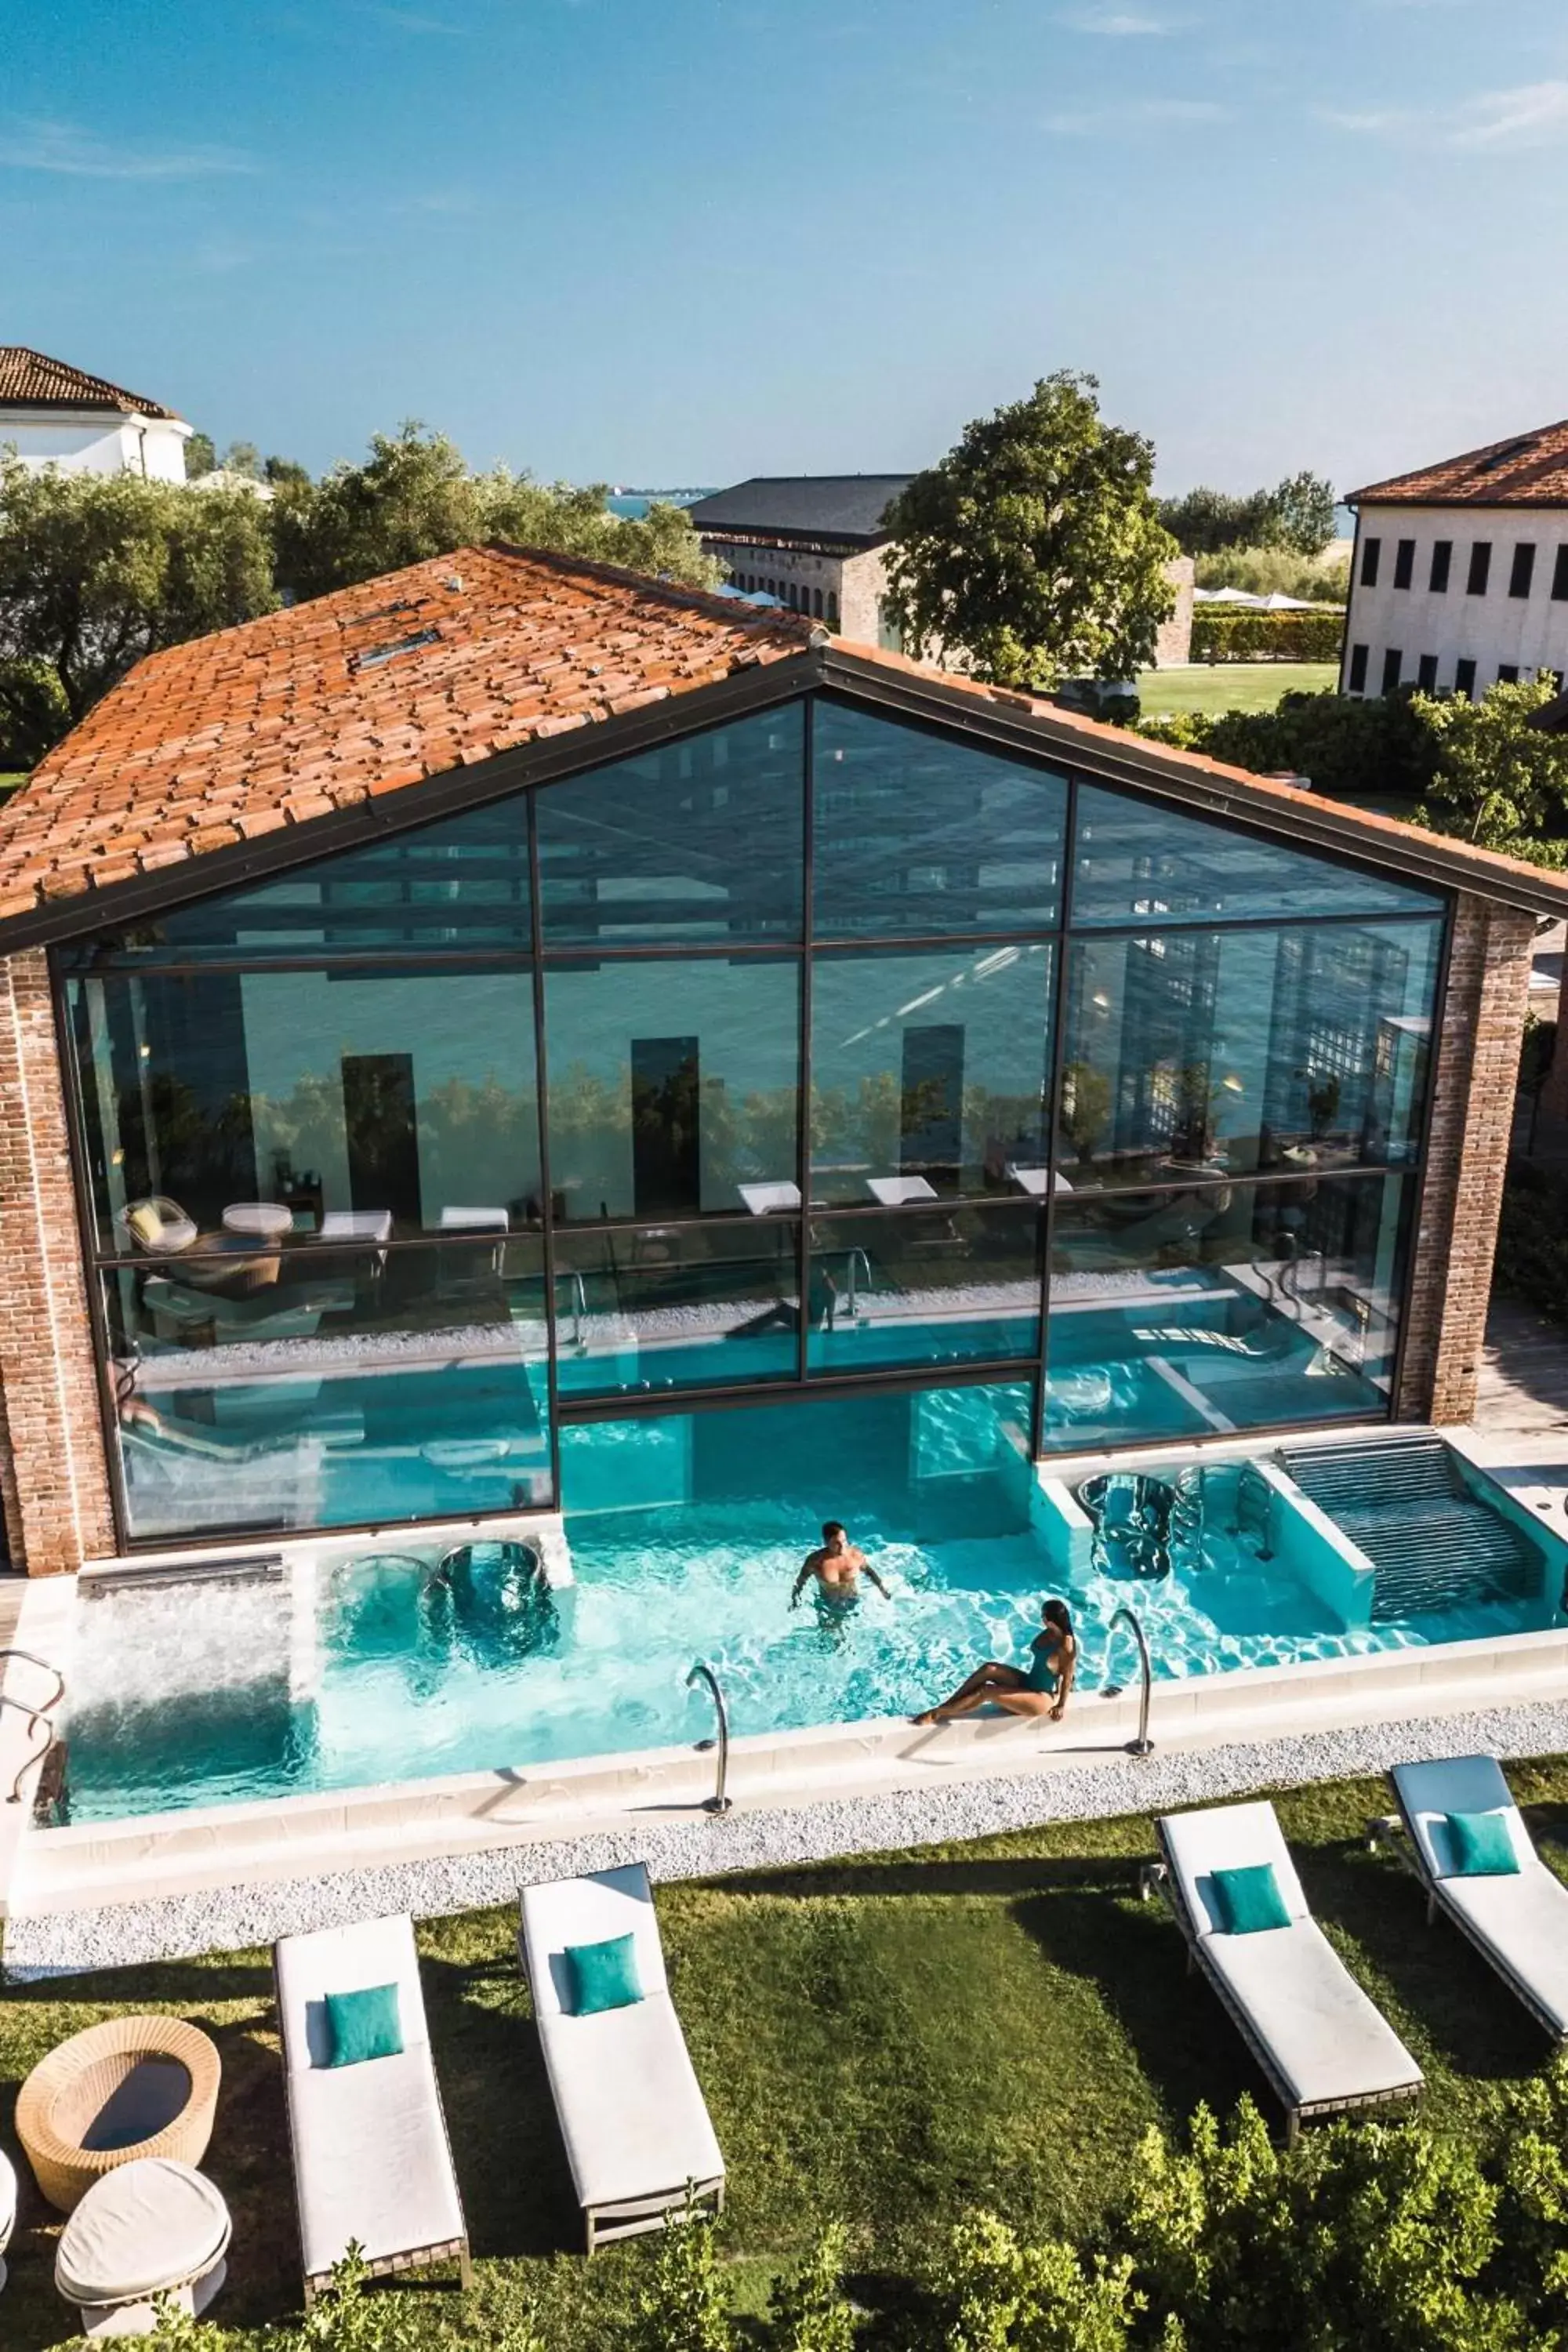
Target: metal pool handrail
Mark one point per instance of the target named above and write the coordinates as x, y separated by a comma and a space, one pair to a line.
1143, 1745
36, 1716
702, 1672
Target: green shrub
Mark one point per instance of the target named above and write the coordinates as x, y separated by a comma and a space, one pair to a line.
1229, 633
1276, 572
34, 712
1351, 749
681, 2306
811, 2312
991, 2293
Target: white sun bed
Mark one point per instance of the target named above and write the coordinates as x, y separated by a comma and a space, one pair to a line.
1322, 2044
372, 2159
1518, 1924
631, 2111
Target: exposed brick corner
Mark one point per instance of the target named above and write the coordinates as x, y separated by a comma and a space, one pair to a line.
53, 1481
1479, 1025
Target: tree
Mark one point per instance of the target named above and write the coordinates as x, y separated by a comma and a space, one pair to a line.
1500, 782
1303, 514
414, 497
201, 456
97, 569
1034, 550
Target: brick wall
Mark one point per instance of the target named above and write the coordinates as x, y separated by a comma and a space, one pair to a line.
1481, 1022
53, 1481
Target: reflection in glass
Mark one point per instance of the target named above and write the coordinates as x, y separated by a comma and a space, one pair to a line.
1234, 1051
303, 1385
929, 1072
699, 840
673, 1085
459, 884
924, 1286
383, 1104
1139, 860
916, 835
1226, 1307
655, 1307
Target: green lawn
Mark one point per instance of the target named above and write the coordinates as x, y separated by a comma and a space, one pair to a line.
1213, 687
892, 2040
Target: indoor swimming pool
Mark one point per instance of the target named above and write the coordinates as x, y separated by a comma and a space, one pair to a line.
686, 1533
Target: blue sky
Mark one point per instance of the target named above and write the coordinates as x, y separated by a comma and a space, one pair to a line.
673, 241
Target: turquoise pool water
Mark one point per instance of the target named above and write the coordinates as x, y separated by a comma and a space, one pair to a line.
685, 1535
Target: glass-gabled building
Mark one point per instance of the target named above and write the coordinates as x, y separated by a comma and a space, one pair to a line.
814, 1027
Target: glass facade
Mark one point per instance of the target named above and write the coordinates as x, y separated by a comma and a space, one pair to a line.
820, 1047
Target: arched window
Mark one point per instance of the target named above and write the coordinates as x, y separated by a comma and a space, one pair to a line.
816, 602
832, 608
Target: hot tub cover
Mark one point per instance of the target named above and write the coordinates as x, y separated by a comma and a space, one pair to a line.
152, 2225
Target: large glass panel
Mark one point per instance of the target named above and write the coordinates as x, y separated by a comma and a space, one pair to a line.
928, 1073
312, 1386
1228, 1307
459, 884
678, 1307
260, 1104
673, 1085
697, 840
1216, 1053
917, 835
1137, 860
956, 1285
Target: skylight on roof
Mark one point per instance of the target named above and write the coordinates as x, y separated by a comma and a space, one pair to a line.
389, 651
1509, 450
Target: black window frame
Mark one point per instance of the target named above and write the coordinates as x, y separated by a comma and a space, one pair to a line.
1355, 682
1477, 580
1371, 561
1465, 678
1441, 565
1521, 569
1404, 562
1393, 670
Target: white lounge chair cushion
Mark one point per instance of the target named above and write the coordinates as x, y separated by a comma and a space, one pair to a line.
1228, 1837
345, 1959
7, 2200
370, 2159
144, 2227
1459, 1784
1326, 2039
1521, 1921
632, 2112
631, 2109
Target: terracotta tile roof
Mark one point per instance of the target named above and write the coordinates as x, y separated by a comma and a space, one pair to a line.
1528, 469
33, 380
359, 693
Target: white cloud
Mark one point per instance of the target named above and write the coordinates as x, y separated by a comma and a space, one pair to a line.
1118, 23
1499, 120
28, 145
1136, 114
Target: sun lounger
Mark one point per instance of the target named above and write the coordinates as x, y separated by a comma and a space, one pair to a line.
1518, 1923
372, 2160
632, 2116
1322, 2044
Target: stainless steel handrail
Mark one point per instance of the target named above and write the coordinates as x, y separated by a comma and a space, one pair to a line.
1143, 1745
579, 1310
702, 1672
36, 1716
857, 1257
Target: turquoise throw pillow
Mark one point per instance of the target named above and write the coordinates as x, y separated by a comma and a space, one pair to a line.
1481, 1846
603, 1976
1249, 1900
364, 2025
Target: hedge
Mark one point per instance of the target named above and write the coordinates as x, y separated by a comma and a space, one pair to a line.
1237, 634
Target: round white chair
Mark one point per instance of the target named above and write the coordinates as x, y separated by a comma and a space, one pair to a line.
154, 2227
7, 2209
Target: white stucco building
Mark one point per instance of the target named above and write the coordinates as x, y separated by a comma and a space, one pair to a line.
1460, 575
55, 415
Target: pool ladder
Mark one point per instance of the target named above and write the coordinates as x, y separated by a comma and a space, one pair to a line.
858, 1262
704, 1673
1143, 1745
39, 1715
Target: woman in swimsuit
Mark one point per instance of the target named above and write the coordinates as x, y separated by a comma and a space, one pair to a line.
1039, 1688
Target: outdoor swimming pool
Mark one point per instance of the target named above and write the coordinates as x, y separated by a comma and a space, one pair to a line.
685, 1535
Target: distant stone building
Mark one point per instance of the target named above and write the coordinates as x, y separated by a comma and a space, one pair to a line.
1461, 573
55, 415
819, 544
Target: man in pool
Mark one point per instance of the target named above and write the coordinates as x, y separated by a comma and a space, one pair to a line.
837, 1565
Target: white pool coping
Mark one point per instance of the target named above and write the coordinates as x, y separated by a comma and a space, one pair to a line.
171, 1884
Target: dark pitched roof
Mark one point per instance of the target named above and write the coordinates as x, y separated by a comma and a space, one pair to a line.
32, 380
477, 674
803, 506
1528, 469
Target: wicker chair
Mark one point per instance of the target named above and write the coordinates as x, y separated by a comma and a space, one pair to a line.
101, 2086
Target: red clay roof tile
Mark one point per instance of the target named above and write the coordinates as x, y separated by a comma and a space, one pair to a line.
1528, 469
